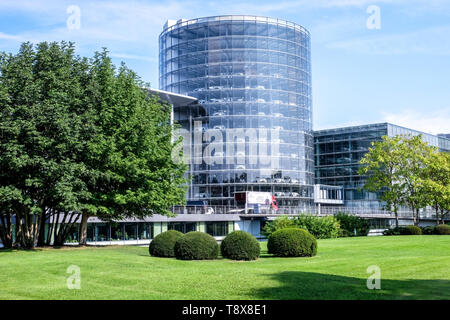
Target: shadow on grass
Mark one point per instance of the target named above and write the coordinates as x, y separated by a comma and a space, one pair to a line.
296, 285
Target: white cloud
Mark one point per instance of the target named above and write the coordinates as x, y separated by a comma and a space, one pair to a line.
428, 122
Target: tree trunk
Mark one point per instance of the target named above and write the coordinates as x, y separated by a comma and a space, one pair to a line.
6, 230
396, 219
396, 215
437, 214
83, 229
41, 237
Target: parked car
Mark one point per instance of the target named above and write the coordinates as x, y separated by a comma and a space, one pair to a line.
208, 210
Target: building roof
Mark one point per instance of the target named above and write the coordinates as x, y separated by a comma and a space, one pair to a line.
173, 98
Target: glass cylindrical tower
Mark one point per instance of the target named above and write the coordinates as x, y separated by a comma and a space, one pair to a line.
247, 72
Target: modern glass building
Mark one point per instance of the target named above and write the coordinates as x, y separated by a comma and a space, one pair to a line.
338, 152
251, 75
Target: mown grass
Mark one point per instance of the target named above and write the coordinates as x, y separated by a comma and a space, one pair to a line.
412, 267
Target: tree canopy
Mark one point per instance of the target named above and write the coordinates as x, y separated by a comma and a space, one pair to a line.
407, 172
78, 136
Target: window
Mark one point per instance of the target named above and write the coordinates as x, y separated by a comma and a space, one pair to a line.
102, 232
183, 227
130, 231
217, 229
146, 230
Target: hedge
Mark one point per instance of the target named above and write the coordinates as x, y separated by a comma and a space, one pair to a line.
350, 223
292, 242
407, 230
442, 229
196, 245
240, 245
163, 244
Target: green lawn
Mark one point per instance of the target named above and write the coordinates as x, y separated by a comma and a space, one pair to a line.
412, 267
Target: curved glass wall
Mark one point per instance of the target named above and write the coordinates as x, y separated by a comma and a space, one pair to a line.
247, 72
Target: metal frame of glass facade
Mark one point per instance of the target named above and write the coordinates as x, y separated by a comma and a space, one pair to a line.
246, 72
337, 153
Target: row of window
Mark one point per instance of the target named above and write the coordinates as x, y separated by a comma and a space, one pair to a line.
119, 231
236, 42
232, 28
237, 71
280, 191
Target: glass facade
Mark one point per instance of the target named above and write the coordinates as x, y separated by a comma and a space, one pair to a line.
337, 153
247, 73
337, 156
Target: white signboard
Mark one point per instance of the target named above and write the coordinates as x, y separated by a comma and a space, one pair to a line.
264, 198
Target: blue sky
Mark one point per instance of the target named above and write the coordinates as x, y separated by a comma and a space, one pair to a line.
399, 73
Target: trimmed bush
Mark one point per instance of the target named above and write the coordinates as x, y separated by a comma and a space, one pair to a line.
402, 231
349, 223
163, 244
392, 232
413, 230
320, 227
240, 245
442, 229
196, 245
292, 242
428, 230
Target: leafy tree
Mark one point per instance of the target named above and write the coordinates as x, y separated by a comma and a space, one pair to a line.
398, 167
78, 138
130, 154
381, 166
39, 129
436, 184
412, 173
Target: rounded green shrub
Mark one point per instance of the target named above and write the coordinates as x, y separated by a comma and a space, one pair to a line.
196, 245
292, 242
442, 229
163, 244
240, 245
428, 230
412, 230
403, 231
